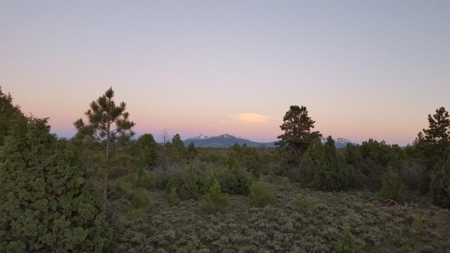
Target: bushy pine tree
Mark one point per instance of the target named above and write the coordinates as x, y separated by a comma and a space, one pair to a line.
8, 114
147, 151
215, 200
260, 194
331, 173
433, 145
298, 134
393, 186
440, 184
45, 204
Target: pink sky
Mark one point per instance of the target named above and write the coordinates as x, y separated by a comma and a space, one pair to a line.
363, 69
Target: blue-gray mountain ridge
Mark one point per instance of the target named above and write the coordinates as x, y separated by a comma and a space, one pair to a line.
227, 140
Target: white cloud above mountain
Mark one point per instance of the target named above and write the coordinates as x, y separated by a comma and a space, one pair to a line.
250, 117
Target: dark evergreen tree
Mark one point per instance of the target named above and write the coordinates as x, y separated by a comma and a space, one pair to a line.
432, 147
45, 204
192, 150
438, 131
250, 160
148, 151
372, 158
236, 147
392, 185
177, 148
440, 184
331, 173
298, 134
177, 142
8, 114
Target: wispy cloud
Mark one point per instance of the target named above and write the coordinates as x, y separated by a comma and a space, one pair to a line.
250, 117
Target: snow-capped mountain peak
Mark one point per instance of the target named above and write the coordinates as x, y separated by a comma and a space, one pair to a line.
222, 136
225, 136
200, 137
339, 142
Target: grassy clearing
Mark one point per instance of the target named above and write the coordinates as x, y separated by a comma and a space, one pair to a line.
375, 225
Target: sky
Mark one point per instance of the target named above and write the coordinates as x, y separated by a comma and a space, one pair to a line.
364, 69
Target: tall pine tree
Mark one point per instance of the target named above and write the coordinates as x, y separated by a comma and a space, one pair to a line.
433, 146
123, 183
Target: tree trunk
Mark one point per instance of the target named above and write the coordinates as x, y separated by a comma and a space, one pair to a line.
105, 179
105, 193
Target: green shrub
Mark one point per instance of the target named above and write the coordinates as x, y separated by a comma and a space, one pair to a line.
417, 224
346, 244
173, 182
392, 186
260, 194
215, 200
286, 184
302, 205
269, 210
271, 175
235, 180
172, 197
189, 189
206, 179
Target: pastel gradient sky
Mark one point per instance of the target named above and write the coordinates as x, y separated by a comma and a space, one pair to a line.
364, 69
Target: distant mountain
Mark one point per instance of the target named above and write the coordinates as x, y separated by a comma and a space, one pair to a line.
339, 142
227, 140
200, 137
223, 141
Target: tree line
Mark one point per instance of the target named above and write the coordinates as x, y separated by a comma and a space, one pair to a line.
67, 195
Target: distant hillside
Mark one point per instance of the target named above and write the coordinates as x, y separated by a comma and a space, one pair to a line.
227, 140
223, 141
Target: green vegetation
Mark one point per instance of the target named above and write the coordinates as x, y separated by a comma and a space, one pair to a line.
347, 243
124, 178
331, 173
297, 136
302, 205
260, 194
8, 114
45, 202
393, 187
215, 200
172, 197
375, 225
440, 184
104, 191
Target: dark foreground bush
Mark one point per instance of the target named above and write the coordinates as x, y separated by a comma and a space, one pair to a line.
45, 205
440, 184
392, 186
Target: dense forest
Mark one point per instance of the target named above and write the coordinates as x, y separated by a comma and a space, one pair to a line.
108, 190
